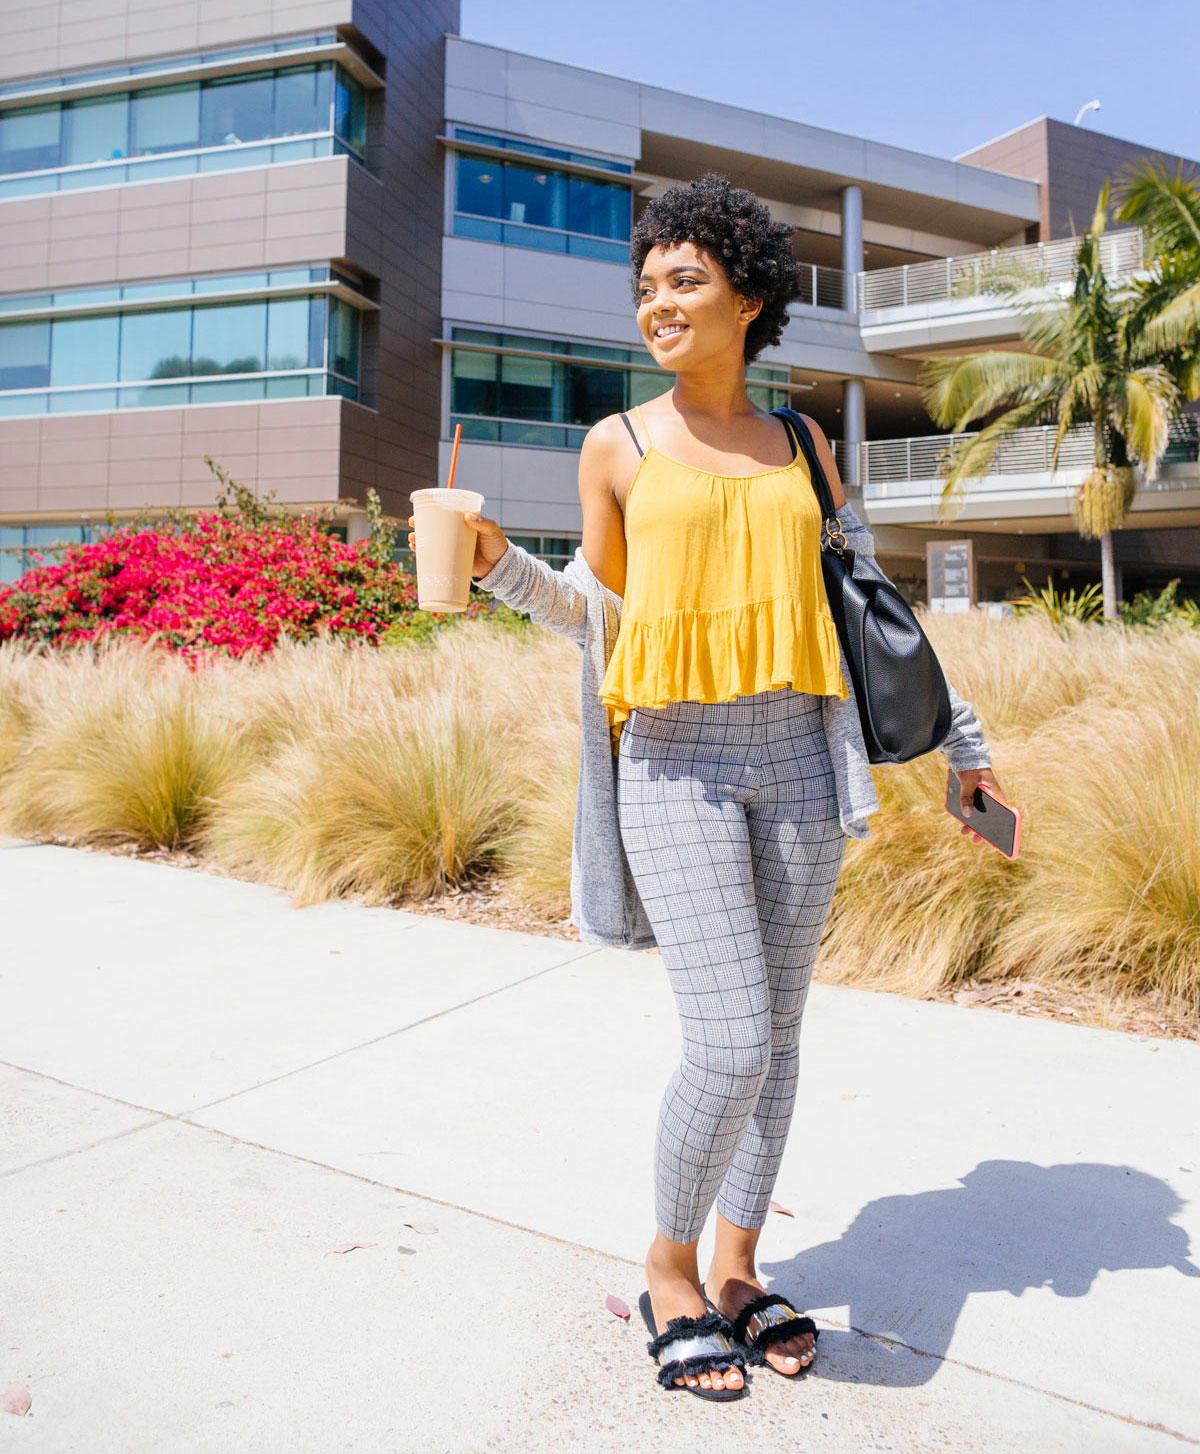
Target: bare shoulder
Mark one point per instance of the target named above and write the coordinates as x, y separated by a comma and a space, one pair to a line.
608, 459
816, 431
828, 463
604, 439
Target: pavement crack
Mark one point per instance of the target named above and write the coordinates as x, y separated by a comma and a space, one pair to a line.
898, 1343
387, 1035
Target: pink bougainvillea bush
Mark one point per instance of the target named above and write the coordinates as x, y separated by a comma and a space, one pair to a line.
234, 580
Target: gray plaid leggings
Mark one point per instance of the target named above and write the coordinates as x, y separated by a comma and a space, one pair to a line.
729, 819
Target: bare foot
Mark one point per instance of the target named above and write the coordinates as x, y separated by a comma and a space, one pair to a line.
731, 1291
673, 1295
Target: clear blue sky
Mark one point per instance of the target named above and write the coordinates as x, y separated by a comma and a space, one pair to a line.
938, 77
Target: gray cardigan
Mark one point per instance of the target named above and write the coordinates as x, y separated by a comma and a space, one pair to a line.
605, 905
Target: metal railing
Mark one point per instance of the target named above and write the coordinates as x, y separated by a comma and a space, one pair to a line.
961, 277
895, 467
822, 287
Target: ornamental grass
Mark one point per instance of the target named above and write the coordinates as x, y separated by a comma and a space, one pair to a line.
331, 768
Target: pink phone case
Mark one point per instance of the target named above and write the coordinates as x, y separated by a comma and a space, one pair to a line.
1010, 809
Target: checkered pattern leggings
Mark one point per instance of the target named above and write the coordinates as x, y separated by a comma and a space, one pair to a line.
729, 818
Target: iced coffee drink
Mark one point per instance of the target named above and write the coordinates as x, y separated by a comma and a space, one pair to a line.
445, 547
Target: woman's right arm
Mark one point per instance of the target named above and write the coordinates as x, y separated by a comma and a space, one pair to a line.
528, 584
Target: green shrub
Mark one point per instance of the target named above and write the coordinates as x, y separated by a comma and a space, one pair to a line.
1148, 609
1057, 606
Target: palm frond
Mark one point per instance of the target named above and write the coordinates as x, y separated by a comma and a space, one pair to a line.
960, 388
970, 456
1174, 323
1151, 397
1080, 398
1167, 208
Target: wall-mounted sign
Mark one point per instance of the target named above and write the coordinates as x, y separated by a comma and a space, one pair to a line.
950, 568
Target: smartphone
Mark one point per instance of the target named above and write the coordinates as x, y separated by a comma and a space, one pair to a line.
996, 821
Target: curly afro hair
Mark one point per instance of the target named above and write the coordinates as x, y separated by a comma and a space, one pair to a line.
736, 228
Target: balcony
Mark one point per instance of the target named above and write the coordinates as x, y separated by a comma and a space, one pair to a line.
822, 287
944, 279
901, 483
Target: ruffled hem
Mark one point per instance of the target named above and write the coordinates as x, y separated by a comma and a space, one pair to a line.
714, 656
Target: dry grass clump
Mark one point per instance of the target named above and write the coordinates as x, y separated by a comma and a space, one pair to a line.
919, 905
1095, 733
396, 773
325, 769
1113, 896
113, 749
407, 801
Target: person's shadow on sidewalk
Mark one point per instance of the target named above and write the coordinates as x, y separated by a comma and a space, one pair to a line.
907, 1264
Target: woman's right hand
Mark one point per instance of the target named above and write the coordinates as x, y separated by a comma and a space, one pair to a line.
490, 543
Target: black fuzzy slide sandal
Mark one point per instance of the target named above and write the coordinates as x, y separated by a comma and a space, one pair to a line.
693, 1345
768, 1319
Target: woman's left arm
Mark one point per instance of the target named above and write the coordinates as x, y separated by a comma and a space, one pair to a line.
964, 748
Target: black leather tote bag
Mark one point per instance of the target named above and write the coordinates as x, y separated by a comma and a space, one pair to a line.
899, 687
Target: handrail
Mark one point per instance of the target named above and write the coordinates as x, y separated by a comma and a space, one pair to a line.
885, 464
1121, 252
823, 287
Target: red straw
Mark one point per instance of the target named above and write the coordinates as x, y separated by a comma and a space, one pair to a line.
454, 456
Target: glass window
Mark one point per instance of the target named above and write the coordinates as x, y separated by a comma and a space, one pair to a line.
229, 338
29, 138
237, 109
479, 187
156, 345
536, 198
230, 282
299, 93
25, 355
165, 118
317, 309
96, 130
154, 396
593, 393
474, 383
350, 112
287, 333
645, 386
598, 208
294, 387
343, 338
526, 388
84, 350
227, 391
12, 561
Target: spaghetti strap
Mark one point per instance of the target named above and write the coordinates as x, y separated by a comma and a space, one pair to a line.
637, 409
632, 435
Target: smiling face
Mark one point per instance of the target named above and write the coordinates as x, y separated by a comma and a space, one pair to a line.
688, 312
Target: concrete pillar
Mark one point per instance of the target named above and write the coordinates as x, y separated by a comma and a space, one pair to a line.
852, 239
854, 431
358, 527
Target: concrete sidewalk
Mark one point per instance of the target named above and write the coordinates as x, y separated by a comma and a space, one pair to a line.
206, 1092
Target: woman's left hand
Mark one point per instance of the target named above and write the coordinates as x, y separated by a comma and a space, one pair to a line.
968, 780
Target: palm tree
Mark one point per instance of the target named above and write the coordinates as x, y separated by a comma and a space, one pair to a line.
1167, 312
1091, 364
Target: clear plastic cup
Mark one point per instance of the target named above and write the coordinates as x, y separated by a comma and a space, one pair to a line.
445, 547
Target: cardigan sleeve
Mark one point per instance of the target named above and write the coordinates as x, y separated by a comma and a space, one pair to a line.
546, 595
964, 746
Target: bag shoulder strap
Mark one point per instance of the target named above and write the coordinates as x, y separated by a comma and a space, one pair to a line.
831, 529
819, 483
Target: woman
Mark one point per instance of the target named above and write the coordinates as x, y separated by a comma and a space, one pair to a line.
737, 749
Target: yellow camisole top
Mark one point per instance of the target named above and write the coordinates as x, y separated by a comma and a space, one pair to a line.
723, 589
